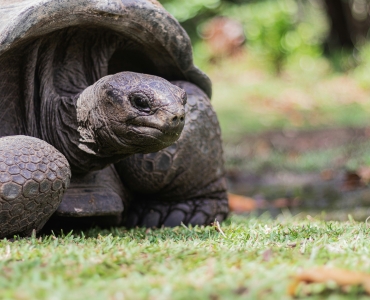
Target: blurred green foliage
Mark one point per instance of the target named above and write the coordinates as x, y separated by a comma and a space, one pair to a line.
283, 79
278, 30
282, 30
361, 71
186, 10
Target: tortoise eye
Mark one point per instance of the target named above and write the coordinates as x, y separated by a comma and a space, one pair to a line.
141, 102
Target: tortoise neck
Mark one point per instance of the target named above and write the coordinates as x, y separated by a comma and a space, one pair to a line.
59, 128
62, 132
65, 135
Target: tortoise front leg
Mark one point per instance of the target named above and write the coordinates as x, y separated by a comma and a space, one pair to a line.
95, 198
33, 178
185, 182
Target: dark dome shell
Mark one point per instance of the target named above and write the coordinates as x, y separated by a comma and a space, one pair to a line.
162, 40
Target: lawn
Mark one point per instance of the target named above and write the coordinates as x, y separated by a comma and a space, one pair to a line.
256, 259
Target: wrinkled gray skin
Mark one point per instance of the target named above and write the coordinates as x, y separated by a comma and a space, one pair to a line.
72, 111
118, 116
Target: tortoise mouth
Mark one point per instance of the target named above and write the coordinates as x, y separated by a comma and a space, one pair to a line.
146, 128
151, 131
148, 140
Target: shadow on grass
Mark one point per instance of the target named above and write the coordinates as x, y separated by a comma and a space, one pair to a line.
179, 233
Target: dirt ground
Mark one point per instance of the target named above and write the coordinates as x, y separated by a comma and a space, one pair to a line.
303, 171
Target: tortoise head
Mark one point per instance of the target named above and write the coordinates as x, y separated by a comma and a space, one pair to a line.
129, 113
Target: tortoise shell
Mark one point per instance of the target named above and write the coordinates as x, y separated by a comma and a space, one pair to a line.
98, 37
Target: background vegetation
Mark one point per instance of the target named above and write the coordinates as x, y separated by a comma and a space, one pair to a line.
293, 71
294, 76
300, 80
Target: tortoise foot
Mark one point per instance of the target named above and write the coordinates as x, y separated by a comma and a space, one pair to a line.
33, 178
201, 211
92, 199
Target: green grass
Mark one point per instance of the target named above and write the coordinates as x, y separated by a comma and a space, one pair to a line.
255, 261
248, 98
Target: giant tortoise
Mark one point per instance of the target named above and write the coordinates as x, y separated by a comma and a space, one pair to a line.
104, 118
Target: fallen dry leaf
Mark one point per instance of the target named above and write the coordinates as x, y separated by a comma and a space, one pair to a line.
291, 244
324, 274
262, 148
352, 181
327, 174
281, 202
239, 203
364, 173
286, 202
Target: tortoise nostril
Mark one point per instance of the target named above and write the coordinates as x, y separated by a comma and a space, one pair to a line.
178, 119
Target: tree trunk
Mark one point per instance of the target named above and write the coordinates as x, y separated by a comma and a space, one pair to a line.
350, 22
